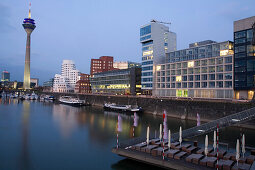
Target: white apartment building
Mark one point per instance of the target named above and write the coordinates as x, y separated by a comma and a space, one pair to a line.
68, 78
156, 40
205, 70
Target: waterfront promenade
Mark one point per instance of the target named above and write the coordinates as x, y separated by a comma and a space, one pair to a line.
183, 108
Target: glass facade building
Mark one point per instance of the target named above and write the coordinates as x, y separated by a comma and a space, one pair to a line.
244, 58
156, 40
203, 71
123, 81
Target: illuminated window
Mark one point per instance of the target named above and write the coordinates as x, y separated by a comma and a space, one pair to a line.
191, 64
179, 78
223, 52
158, 68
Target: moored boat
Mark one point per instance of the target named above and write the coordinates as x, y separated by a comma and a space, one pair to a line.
124, 108
68, 100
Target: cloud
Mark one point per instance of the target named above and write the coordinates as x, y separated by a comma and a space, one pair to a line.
5, 25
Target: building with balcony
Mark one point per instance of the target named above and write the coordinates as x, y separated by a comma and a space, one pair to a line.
205, 70
124, 81
244, 58
67, 80
156, 40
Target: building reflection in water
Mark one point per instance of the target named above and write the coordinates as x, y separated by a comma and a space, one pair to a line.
119, 123
65, 117
25, 136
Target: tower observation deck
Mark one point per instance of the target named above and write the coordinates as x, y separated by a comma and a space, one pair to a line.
29, 26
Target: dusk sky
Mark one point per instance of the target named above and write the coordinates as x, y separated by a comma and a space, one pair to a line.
83, 29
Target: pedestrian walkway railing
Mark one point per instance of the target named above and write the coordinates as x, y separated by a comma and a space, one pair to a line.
205, 128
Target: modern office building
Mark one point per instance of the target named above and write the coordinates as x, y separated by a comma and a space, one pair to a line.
104, 63
83, 85
244, 58
48, 83
29, 26
5, 76
124, 81
156, 40
67, 80
125, 64
203, 71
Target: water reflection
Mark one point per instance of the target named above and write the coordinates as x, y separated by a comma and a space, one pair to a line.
65, 117
80, 135
25, 136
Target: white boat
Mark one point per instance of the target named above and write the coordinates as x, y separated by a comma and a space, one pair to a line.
48, 97
69, 100
27, 96
33, 96
125, 108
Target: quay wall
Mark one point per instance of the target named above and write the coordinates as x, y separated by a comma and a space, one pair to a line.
179, 108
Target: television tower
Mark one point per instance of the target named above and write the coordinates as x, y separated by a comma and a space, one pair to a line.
29, 26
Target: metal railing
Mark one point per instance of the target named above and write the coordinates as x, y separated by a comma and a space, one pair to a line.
223, 122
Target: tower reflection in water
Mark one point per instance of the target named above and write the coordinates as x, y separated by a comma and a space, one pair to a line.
25, 136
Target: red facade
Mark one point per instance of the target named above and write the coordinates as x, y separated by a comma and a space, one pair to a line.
104, 63
83, 85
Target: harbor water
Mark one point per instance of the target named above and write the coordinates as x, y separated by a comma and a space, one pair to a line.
45, 135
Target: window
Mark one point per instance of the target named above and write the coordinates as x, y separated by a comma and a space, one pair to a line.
184, 71
211, 61
190, 71
240, 34
211, 69
191, 64
197, 70
219, 60
204, 70
172, 79
228, 59
228, 76
178, 85
203, 62
197, 77
184, 65
219, 68
197, 63
219, 84
197, 84
184, 85
179, 78
190, 84
172, 85
145, 38
168, 66
228, 67
204, 76
184, 78
145, 30
211, 76
228, 84
168, 79
190, 78
204, 84
211, 84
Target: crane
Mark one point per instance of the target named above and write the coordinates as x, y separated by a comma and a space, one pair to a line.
168, 23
